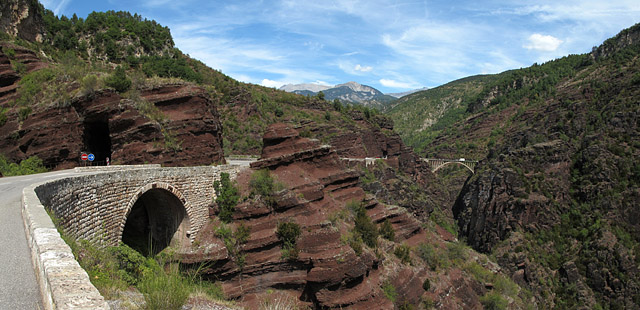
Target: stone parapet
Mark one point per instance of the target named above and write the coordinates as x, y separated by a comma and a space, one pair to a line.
95, 207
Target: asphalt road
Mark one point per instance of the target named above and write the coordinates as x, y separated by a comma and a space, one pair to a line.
18, 287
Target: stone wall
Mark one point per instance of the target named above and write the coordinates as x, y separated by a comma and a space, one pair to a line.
95, 207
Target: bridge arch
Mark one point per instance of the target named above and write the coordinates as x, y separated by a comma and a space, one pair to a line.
471, 168
157, 216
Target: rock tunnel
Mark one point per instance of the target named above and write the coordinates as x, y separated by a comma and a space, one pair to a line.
157, 220
97, 139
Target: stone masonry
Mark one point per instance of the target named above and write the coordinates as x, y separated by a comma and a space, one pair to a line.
95, 207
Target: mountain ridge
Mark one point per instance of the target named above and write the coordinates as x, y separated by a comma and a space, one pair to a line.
349, 92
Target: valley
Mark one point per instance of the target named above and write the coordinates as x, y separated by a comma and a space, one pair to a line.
543, 214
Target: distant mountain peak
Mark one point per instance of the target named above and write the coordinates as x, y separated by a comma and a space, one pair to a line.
355, 86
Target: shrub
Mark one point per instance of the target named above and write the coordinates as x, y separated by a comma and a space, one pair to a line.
426, 285
264, 185
24, 113
386, 230
432, 256
389, 291
403, 252
3, 116
363, 224
233, 241
131, 264
227, 196
89, 84
30, 165
118, 80
165, 291
288, 233
279, 112
493, 301
355, 242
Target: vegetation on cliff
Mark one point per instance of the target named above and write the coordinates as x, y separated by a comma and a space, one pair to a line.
558, 188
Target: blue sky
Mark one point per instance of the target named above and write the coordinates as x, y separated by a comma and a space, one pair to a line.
390, 45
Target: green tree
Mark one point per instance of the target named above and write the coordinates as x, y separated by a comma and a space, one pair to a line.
227, 196
118, 80
288, 233
386, 230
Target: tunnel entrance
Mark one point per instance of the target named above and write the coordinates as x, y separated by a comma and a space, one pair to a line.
97, 140
157, 220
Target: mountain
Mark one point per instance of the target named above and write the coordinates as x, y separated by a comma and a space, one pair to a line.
420, 116
402, 94
550, 213
555, 196
350, 92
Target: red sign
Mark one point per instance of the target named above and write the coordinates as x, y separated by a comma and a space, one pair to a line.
84, 156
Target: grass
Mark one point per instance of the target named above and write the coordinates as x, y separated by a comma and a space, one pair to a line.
279, 302
161, 278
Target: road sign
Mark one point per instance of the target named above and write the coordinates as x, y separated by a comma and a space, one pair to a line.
91, 157
84, 156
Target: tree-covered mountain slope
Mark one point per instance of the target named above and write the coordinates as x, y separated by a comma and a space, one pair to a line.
556, 195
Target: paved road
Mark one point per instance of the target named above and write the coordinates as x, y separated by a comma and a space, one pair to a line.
18, 287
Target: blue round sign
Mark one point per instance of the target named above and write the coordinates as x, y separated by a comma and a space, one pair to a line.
91, 157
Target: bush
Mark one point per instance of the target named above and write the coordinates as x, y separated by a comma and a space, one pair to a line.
389, 291
432, 256
3, 116
426, 285
403, 252
493, 301
118, 80
132, 265
264, 185
24, 113
386, 230
89, 84
355, 242
30, 165
288, 233
234, 240
165, 291
363, 224
227, 196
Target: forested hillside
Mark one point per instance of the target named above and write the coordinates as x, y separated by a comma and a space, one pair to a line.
555, 198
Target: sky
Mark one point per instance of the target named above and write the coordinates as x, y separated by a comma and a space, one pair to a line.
393, 46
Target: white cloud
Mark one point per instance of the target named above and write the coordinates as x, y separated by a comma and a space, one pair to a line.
544, 43
272, 83
396, 84
360, 68
57, 6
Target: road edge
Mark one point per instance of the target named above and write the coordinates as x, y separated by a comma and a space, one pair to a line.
62, 282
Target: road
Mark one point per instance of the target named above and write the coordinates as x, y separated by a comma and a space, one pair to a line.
18, 287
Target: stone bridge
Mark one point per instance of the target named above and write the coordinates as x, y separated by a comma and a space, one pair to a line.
148, 209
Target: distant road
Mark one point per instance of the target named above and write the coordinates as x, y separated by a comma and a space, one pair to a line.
18, 287
240, 161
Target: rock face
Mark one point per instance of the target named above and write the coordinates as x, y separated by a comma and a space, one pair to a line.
557, 197
108, 126
327, 273
185, 130
22, 19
